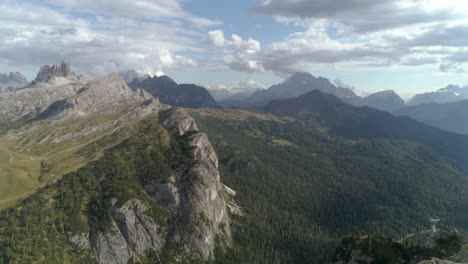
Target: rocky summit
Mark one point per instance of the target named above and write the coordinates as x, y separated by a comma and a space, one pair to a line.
49, 72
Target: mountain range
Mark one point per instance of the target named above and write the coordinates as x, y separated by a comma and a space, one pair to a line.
102, 171
448, 116
451, 93
300, 83
169, 92
105, 174
12, 81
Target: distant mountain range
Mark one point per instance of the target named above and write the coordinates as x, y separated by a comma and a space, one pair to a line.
449, 116
12, 81
451, 93
296, 85
301, 83
387, 100
327, 112
97, 171
169, 92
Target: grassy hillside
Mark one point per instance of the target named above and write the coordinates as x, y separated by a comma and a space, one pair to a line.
42, 152
302, 190
36, 231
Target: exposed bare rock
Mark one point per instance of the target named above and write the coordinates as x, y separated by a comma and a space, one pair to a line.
131, 235
108, 94
27, 103
79, 242
178, 120
203, 200
48, 72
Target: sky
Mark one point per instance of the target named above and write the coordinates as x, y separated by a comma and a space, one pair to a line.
409, 46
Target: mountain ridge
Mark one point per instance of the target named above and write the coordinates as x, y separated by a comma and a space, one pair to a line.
169, 92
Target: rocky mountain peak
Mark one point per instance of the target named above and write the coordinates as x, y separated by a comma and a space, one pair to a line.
301, 76
49, 72
12, 81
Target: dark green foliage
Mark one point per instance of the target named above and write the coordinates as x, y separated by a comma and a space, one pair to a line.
302, 197
385, 250
36, 231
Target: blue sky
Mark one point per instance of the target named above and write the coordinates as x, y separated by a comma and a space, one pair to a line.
409, 46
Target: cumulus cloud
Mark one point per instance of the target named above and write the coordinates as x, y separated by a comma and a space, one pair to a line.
114, 36
216, 37
241, 54
249, 46
357, 33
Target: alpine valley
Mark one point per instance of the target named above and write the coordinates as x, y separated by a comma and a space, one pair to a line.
125, 168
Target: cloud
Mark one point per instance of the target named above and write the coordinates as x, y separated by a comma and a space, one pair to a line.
98, 38
365, 15
156, 10
216, 37
240, 54
356, 33
452, 67
236, 43
251, 84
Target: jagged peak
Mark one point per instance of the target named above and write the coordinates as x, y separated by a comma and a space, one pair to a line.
48, 73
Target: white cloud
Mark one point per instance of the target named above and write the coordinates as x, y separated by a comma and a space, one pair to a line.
356, 33
216, 37
240, 54
32, 34
251, 84
236, 43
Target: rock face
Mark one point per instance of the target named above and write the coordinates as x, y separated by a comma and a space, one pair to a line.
49, 72
194, 194
12, 81
203, 202
108, 94
132, 234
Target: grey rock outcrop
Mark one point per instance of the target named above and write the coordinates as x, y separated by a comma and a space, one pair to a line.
193, 194
131, 235
49, 72
203, 200
179, 120
108, 94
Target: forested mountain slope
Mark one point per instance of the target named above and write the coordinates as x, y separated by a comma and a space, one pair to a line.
302, 189
156, 197
327, 112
